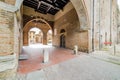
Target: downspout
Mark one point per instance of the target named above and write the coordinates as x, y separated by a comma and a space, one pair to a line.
93, 27
117, 25
110, 21
99, 27
116, 18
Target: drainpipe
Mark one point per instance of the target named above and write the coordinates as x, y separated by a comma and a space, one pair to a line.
116, 18
117, 26
99, 28
110, 21
93, 26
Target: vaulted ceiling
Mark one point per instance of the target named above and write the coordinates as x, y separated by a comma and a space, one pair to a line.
46, 6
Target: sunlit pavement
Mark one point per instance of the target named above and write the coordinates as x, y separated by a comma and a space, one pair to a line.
33, 57
83, 67
40, 46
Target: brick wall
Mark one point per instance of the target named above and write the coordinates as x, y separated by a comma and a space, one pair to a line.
70, 23
12, 2
6, 32
105, 22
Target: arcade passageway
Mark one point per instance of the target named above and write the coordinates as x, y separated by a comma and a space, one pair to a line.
38, 34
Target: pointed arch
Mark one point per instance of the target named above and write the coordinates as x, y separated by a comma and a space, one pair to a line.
82, 12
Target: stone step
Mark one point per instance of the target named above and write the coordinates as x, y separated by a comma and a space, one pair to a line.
7, 58
8, 67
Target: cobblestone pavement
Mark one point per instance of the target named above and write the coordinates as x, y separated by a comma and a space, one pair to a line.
83, 67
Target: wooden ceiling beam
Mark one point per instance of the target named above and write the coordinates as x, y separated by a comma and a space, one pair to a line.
46, 6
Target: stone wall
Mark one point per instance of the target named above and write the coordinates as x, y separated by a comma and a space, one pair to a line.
103, 21
6, 32
17, 36
118, 25
88, 8
114, 21
70, 23
108, 27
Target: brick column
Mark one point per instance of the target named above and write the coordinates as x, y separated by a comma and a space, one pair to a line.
44, 38
6, 32
25, 38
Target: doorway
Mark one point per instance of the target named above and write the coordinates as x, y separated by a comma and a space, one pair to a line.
62, 41
62, 38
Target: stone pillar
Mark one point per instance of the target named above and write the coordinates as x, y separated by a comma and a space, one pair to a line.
6, 32
9, 40
44, 38
97, 30
8, 43
25, 38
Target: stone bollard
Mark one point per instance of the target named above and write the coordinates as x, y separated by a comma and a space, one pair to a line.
75, 49
46, 56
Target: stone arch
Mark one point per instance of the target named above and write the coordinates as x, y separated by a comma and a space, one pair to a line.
62, 30
82, 13
30, 25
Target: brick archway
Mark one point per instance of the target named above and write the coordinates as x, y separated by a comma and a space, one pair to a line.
82, 13
43, 27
